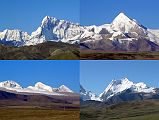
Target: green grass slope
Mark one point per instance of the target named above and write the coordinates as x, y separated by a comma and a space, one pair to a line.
138, 110
41, 51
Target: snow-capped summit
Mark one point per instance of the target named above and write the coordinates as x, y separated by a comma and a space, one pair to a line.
119, 86
53, 29
10, 84
48, 20
63, 88
42, 86
116, 86
87, 95
126, 25
18, 37
121, 17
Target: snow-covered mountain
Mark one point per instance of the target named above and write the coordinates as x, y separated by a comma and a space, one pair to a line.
39, 88
123, 34
63, 88
126, 25
51, 29
118, 86
87, 95
122, 89
10, 84
14, 37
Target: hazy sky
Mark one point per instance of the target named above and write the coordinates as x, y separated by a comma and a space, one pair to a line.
96, 75
28, 14
53, 73
104, 11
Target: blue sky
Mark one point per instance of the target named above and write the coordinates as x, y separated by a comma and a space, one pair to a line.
53, 73
104, 11
28, 14
96, 75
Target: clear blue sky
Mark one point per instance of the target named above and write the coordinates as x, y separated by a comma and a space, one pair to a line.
28, 14
53, 73
104, 11
96, 75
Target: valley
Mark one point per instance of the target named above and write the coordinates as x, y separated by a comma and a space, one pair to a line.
136, 110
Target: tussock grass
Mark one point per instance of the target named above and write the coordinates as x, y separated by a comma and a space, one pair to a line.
38, 114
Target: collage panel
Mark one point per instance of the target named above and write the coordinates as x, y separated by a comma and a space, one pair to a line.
39, 90
119, 30
79, 60
39, 30
119, 90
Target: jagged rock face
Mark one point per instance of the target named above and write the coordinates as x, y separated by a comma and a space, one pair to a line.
14, 37
53, 29
126, 45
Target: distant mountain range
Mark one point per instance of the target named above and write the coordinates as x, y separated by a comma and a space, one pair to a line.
38, 88
39, 95
123, 34
121, 91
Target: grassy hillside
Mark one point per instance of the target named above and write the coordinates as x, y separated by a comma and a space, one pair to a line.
102, 55
48, 50
139, 110
38, 114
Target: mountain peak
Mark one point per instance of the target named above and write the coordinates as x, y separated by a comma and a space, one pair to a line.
125, 79
124, 24
87, 95
38, 83
122, 17
42, 86
117, 86
120, 81
64, 88
48, 20
10, 84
